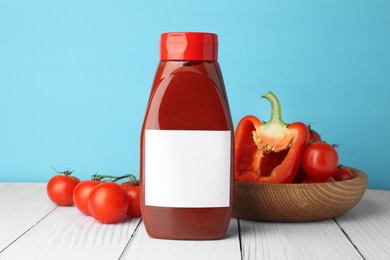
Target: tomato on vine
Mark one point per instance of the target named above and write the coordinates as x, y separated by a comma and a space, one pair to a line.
81, 194
108, 202
60, 188
132, 189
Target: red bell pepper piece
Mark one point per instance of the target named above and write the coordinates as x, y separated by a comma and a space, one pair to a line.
269, 152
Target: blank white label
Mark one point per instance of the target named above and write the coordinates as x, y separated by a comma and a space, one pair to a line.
187, 169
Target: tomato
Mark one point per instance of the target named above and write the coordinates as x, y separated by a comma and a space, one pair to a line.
133, 196
314, 135
108, 202
81, 194
60, 189
312, 180
342, 173
320, 160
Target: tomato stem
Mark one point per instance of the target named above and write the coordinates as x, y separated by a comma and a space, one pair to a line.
103, 178
66, 172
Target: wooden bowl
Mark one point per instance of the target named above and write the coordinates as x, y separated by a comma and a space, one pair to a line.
297, 202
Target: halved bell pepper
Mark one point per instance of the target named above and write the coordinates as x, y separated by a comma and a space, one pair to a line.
269, 152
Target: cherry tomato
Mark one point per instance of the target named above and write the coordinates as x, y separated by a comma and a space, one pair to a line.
81, 194
133, 196
342, 173
312, 180
60, 189
314, 135
108, 203
320, 160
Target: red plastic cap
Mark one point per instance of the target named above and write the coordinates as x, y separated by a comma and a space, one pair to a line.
189, 46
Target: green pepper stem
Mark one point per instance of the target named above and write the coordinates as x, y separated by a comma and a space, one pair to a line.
276, 110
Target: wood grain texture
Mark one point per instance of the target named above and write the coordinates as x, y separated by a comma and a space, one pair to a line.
314, 240
68, 234
31, 227
368, 225
22, 206
145, 248
297, 202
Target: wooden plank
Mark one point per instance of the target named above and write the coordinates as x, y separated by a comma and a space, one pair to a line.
68, 234
32, 227
144, 247
22, 205
313, 240
368, 225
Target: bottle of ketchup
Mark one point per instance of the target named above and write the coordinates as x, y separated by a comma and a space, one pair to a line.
187, 143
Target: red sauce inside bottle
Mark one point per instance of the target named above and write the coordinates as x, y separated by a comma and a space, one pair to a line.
187, 95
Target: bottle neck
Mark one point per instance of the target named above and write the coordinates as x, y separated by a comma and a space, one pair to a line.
170, 67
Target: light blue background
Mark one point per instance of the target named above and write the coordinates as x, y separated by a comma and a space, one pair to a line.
75, 76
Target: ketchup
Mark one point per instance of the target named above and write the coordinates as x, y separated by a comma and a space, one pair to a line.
187, 143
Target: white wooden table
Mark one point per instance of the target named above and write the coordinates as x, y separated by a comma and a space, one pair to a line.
31, 227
